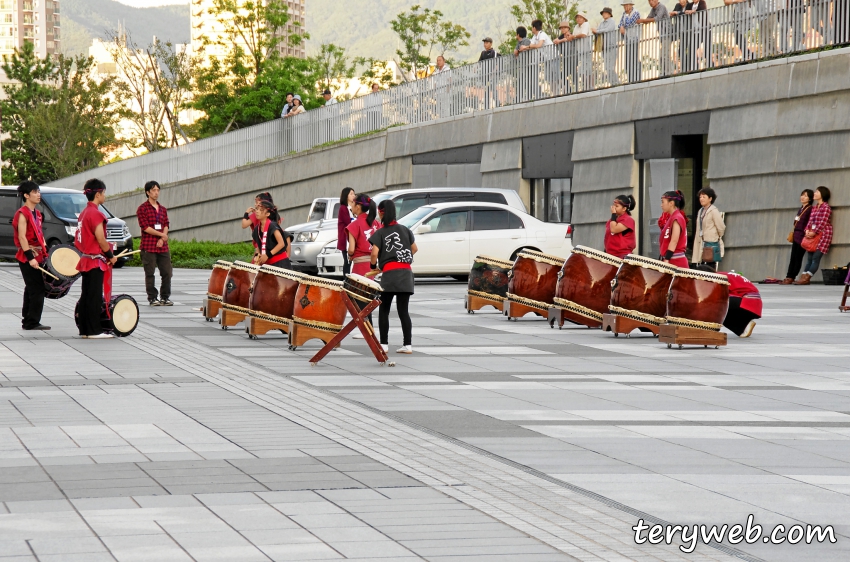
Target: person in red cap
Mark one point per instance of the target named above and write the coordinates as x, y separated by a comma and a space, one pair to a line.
32, 251
96, 262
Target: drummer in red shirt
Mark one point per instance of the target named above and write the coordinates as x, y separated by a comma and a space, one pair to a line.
32, 251
359, 232
620, 238
96, 261
674, 234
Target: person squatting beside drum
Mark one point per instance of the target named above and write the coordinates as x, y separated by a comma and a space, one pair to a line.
674, 234
95, 263
745, 304
153, 223
620, 239
393, 247
32, 251
271, 241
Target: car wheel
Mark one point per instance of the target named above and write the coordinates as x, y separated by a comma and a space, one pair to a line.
464, 278
53, 242
514, 255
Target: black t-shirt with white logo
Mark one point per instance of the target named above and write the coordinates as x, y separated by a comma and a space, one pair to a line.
394, 245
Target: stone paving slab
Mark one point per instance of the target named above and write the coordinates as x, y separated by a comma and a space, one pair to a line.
638, 389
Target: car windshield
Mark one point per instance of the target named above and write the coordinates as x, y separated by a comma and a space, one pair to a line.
415, 216
68, 206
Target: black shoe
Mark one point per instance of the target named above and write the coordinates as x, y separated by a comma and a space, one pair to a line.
165, 302
155, 302
39, 327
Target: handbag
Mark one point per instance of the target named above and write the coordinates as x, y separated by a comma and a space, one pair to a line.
811, 244
791, 236
711, 252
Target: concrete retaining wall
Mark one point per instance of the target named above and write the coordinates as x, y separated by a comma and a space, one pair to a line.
776, 128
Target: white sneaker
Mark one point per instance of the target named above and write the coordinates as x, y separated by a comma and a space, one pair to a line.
385, 347
749, 329
103, 336
357, 335
407, 349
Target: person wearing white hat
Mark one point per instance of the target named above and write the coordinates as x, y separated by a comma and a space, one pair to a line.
630, 31
580, 38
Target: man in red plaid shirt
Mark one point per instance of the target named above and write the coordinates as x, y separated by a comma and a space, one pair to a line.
153, 222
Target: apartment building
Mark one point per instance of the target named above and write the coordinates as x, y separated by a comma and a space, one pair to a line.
207, 26
30, 20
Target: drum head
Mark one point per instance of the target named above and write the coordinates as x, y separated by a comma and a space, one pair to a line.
125, 315
64, 260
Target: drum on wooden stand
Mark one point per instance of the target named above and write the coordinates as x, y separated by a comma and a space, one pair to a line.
237, 293
488, 283
62, 262
120, 317
272, 300
215, 289
533, 281
584, 287
361, 288
698, 299
639, 295
319, 311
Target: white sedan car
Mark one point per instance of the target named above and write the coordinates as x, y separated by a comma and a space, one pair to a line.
451, 235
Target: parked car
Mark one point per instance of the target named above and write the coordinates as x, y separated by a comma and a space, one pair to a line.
60, 208
310, 238
451, 235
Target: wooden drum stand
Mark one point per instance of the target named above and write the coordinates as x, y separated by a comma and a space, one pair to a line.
358, 320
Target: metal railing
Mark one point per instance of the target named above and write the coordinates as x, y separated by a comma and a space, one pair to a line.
746, 31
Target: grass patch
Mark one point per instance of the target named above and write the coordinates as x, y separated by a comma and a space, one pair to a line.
200, 255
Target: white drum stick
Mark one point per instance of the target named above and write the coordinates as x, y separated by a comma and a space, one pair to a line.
48, 273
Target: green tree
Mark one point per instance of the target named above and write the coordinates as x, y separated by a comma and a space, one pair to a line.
550, 12
75, 128
248, 85
28, 75
421, 32
333, 66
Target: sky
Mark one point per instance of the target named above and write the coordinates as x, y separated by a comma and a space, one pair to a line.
151, 3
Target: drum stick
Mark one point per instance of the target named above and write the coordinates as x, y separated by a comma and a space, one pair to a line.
48, 273
125, 253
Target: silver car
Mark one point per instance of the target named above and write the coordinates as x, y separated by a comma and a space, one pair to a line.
311, 239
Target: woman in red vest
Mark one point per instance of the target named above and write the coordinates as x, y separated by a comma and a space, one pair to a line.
674, 234
32, 251
620, 239
270, 239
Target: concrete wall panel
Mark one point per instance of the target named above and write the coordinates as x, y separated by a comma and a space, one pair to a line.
603, 142
399, 171
833, 72
504, 155
601, 175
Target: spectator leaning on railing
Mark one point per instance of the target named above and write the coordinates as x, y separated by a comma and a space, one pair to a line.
661, 17
609, 51
489, 52
297, 107
288, 104
631, 34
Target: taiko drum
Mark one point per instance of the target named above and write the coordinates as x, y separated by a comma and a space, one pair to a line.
698, 299
218, 277
640, 289
534, 279
273, 294
237, 286
489, 278
584, 285
319, 304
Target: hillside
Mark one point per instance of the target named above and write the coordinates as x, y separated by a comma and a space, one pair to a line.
83, 20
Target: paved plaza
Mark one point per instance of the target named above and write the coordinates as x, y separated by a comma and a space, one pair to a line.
496, 441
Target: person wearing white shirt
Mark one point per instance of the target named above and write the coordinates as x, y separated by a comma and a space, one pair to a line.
441, 65
329, 99
608, 30
539, 38
580, 38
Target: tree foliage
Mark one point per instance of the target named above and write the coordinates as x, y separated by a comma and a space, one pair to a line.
333, 66
422, 31
60, 120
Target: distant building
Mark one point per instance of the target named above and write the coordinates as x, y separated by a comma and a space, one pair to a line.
207, 26
29, 20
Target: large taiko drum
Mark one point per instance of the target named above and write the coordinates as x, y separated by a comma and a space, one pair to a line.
120, 317
273, 294
640, 289
319, 308
215, 287
534, 279
698, 299
237, 287
489, 279
584, 286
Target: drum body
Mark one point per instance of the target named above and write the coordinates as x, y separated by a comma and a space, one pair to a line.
56, 289
237, 286
62, 262
273, 294
319, 304
361, 288
640, 289
489, 278
122, 317
698, 299
218, 277
584, 285
534, 279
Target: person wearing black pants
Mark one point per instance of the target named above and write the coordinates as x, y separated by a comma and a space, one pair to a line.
393, 247
90, 305
801, 220
31, 252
